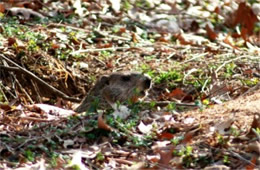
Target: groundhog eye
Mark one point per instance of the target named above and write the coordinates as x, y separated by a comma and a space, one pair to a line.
126, 78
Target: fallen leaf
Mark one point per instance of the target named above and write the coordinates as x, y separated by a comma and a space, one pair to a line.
227, 41
136, 166
11, 41
145, 129
246, 17
217, 167
166, 135
5, 107
223, 127
115, 5
102, 124
211, 34
2, 8
77, 161
182, 40
67, 143
177, 94
166, 155
251, 166
189, 135
153, 158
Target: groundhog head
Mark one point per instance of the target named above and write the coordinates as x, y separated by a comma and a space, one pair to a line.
124, 86
117, 87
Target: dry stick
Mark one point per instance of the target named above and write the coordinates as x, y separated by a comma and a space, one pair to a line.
9, 68
194, 58
2, 92
36, 91
241, 158
234, 59
256, 87
165, 103
23, 90
52, 89
8, 91
100, 49
68, 26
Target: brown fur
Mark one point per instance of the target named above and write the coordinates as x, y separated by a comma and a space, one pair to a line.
116, 87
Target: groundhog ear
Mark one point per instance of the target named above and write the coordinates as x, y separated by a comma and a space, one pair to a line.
105, 80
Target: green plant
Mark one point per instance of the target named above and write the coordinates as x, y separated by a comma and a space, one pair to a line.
171, 106
221, 140
29, 155
235, 131
145, 68
168, 76
250, 81
226, 159
100, 157
257, 130
176, 140
126, 5
230, 69
32, 46
54, 156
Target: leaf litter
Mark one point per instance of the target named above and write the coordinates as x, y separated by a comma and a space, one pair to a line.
198, 54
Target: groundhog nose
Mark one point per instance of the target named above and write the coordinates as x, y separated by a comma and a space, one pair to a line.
147, 83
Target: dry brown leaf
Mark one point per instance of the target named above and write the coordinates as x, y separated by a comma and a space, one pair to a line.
227, 41
211, 34
189, 135
153, 158
5, 107
177, 94
166, 155
11, 41
246, 17
2, 8
183, 41
102, 124
252, 166
166, 135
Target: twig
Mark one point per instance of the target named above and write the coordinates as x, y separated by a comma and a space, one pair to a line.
198, 56
252, 89
8, 91
49, 87
2, 92
99, 49
26, 141
165, 103
36, 89
241, 158
68, 26
9, 68
234, 59
23, 90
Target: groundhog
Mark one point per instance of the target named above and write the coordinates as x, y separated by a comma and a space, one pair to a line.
116, 89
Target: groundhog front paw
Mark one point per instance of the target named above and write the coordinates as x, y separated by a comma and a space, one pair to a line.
122, 111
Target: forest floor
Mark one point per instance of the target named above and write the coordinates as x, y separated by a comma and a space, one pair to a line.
202, 111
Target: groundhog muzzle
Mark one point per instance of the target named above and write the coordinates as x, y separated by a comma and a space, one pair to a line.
113, 88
